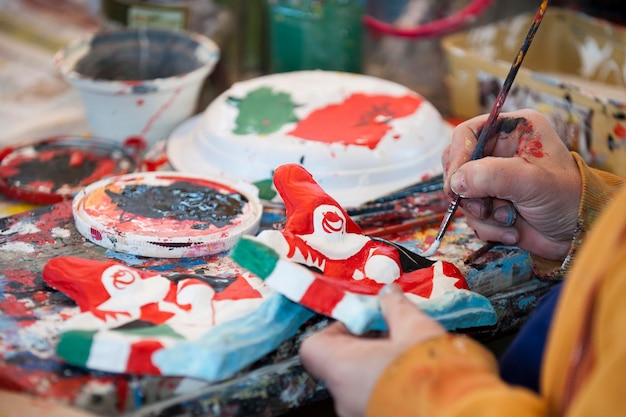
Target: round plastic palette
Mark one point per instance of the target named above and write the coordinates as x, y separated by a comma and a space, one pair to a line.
166, 214
55, 169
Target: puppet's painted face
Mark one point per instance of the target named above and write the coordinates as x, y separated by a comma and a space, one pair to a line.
329, 222
118, 279
127, 288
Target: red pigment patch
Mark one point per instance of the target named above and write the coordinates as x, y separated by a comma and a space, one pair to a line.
40, 297
25, 278
620, 131
535, 148
57, 217
15, 308
361, 119
95, 234
156, 116
528, 142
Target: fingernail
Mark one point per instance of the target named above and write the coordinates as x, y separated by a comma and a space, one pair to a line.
473, 207
505, 215
509, 238
457, 183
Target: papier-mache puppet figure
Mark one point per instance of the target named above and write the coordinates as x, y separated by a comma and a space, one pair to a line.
323, 260
128, 314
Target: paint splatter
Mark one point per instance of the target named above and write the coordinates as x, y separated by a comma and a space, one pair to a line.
263, 111
361, 119
54, 169
529, 143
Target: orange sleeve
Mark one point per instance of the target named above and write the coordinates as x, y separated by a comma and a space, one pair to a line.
451, 375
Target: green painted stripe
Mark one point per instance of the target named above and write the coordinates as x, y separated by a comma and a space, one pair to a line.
254, 256
75, 346
154, 331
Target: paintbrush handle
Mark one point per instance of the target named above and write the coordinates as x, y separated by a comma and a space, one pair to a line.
445, 223
490, 125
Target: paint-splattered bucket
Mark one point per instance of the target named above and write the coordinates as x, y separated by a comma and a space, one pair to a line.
138, 83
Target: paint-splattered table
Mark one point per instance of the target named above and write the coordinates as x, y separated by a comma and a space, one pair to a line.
31, 315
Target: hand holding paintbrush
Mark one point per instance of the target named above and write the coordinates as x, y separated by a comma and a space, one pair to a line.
527, 188
490, 125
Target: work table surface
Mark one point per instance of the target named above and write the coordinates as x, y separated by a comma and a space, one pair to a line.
32, 314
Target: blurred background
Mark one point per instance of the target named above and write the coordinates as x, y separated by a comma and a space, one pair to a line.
398, 40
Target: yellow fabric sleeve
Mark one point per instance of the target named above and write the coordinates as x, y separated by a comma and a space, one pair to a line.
451, 375
585, 357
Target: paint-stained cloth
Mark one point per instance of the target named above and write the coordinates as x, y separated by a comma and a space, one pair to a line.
583, 372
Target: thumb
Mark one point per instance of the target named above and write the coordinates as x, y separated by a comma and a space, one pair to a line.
403, 317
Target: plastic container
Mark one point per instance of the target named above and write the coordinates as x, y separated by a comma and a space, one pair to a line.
573, 74
138, 83
309, 34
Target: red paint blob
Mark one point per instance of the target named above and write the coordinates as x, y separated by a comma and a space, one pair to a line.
361, 119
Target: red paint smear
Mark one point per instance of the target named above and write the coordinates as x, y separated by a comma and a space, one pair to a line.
25, 278
49, 386
533, 147
42, 185
361, 119
16, 308
104, 169
40, 297
139, 102
159, 112
77, 158
528, 142
57, 217
620, 131
132, 83
137, 143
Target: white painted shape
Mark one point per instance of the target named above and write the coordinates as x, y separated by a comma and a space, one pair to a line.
290, 279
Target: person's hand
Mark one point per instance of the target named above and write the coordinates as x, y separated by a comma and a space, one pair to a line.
351, 365
526, 189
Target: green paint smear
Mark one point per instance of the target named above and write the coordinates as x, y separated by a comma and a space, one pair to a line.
255, 257
266, 191
263, 111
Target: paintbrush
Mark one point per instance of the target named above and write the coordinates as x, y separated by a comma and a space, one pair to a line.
490, 125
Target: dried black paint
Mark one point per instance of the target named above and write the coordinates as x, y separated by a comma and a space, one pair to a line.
56, 170
509, 124
504, 124
180, 200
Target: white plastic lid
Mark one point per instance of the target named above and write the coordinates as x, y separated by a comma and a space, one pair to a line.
166, 214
